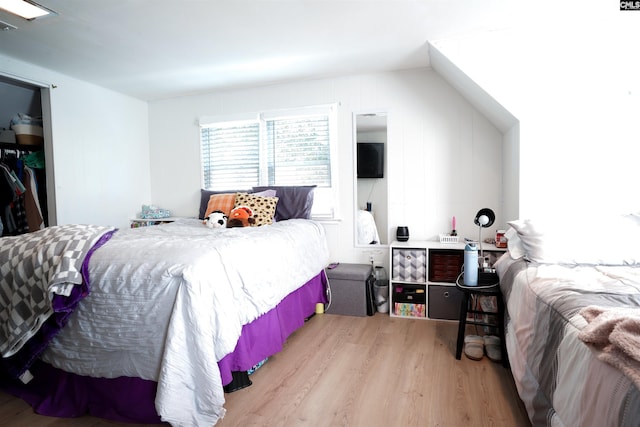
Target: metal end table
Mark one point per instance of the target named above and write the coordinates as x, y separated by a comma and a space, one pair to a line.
489, 285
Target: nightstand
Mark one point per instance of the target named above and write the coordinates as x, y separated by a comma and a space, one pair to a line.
491, 288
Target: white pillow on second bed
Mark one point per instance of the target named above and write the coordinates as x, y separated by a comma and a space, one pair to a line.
614, 240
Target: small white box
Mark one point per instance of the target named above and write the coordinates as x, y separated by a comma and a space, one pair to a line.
445, 238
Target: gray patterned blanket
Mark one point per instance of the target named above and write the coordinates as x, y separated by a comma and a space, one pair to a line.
33, 268
561, 380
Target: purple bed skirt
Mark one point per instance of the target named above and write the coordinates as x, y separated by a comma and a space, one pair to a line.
57, 393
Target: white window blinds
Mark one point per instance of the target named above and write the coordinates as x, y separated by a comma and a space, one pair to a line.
276, 148
231, 155
298, 151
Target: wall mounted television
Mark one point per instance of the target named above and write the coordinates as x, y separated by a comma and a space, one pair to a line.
370, 160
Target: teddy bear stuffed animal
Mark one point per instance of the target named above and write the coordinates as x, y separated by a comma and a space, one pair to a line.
241, 216
216, 219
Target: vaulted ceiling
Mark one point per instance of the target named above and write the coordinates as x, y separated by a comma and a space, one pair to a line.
153, 49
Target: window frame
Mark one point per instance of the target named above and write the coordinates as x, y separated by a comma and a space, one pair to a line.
325, 198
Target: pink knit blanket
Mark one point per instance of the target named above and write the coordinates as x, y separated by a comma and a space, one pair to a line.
616, 333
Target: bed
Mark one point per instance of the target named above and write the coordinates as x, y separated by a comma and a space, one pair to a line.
367, 229
165, 315
573, 321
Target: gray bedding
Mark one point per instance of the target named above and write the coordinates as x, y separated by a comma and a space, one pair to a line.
562, 380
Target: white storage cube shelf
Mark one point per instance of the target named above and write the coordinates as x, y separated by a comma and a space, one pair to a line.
423, 275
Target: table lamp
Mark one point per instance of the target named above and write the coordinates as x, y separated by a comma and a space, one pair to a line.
484, 218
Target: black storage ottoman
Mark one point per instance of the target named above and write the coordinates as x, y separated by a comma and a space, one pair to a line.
348, 284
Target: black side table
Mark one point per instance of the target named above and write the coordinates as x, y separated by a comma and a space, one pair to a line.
486, 290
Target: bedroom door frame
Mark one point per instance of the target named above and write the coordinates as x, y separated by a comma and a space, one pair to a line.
45, 99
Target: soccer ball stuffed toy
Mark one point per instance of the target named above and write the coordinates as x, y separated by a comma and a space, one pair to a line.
241, 216
216, 219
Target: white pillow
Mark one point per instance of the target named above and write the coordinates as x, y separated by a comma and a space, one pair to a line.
514, 244
609, 240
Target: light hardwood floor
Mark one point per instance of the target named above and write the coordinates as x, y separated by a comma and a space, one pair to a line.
356, 371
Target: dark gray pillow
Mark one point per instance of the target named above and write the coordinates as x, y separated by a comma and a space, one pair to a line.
293, 201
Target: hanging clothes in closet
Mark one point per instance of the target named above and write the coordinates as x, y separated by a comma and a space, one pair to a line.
20, 203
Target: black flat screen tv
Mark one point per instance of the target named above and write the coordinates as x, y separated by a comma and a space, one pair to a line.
370, 160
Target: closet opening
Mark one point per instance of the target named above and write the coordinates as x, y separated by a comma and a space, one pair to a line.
27, 201
23, 191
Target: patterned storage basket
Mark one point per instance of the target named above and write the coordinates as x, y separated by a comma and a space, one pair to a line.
409, 265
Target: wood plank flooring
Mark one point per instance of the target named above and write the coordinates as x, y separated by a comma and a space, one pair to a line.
355, 371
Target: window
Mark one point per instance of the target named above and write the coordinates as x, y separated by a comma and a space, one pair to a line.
274, 148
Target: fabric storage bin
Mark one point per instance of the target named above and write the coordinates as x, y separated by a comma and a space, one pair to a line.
348, 284
409, 265
445, 265
444, 302
409, 294
405, 309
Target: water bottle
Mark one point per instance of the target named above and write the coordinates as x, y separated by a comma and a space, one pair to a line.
470, 265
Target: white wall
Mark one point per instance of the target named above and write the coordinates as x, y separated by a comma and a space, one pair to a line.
100, 148
511, 173
112, 153
575, 94
444, 157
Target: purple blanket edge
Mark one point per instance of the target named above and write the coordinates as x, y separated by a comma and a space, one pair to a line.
57, 393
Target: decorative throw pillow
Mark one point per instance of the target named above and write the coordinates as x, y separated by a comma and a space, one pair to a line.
293, 201
204, 199
264, 208
205, 195
221, 202
265, 193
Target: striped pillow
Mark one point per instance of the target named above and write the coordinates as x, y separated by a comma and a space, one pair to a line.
221, 202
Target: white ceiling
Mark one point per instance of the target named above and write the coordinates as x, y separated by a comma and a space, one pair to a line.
154, 49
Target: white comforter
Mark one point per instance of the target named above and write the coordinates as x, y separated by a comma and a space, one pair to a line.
169, 301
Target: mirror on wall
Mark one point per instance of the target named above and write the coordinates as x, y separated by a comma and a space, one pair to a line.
371, 175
